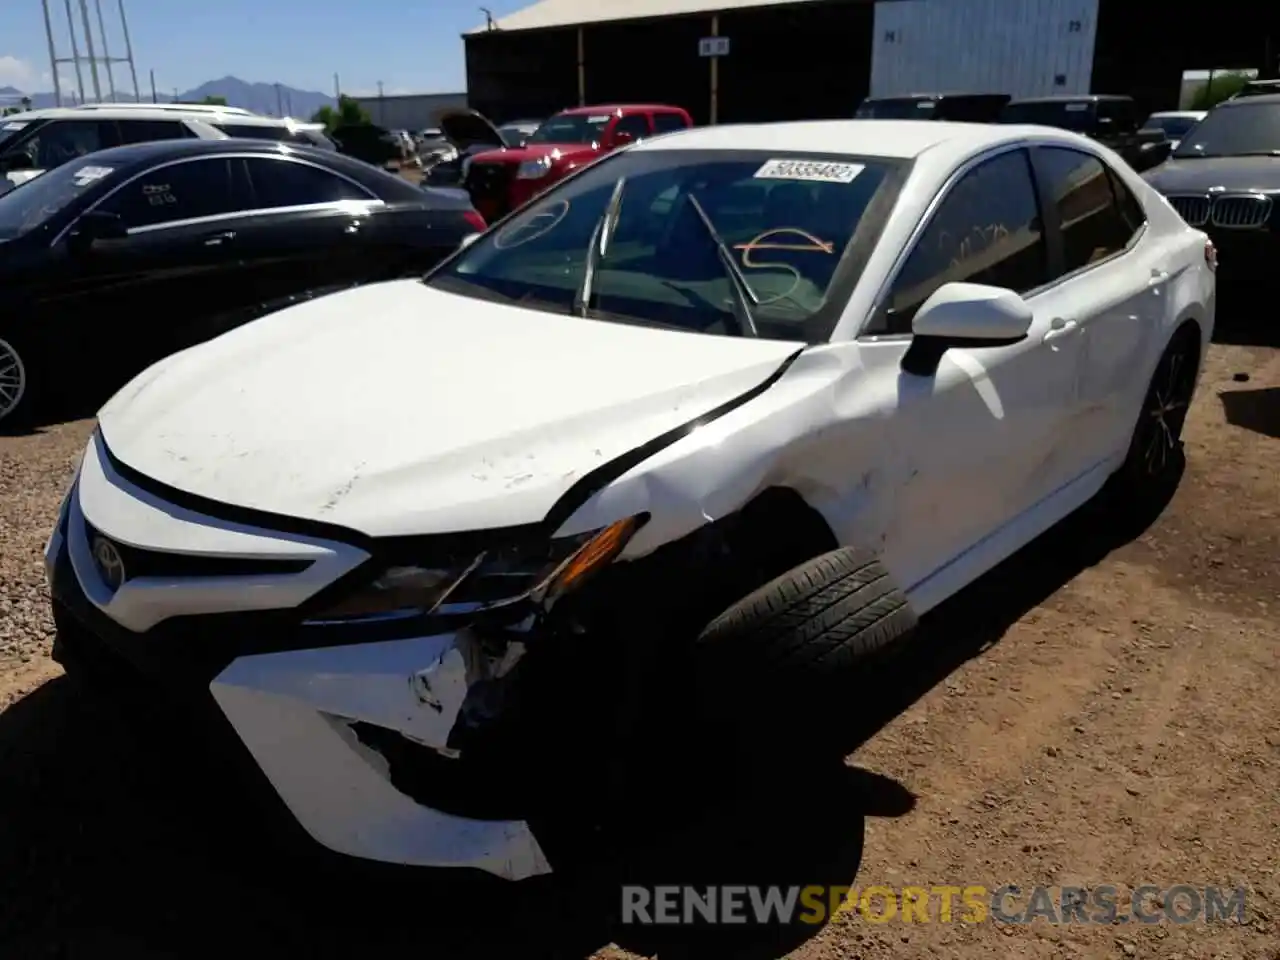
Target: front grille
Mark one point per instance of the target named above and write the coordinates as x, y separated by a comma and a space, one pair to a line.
153, 563
1193, 209
1237, 211
488, 184
1241, 212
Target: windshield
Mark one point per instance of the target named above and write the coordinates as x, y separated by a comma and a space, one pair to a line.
904, 108
1173, 127
9, 129
787, 221
572, 128
1246, 128
26, 207
1065, 114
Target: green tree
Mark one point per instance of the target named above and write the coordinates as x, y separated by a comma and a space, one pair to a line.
1217, 88
348, 113
215, 101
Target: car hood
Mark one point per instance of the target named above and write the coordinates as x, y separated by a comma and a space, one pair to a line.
397, 409
536, 151
467, 128
1228, 173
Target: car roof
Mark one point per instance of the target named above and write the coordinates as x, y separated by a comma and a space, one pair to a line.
144, 113
1065, 98
152, 150
949, 95
611, 107
169, 108
893, 139
1179, 113
1257, 99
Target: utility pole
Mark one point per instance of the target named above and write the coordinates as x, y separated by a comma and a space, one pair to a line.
53, 54
93, 57
106, 50
337, 89
154, 98
75, 49
279, 104
128, 51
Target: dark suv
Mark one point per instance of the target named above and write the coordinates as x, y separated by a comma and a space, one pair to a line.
967, 107
1112, 120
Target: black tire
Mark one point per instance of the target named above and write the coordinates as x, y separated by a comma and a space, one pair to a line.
781, 662
1155, 459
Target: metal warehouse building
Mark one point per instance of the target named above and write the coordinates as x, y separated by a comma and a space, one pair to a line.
819, 58
410, 111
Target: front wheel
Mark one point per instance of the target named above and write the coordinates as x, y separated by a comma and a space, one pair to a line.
782, 665
16, 393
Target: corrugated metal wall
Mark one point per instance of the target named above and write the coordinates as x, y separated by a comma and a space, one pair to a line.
648, 61
526, 74
1025, 48
410, 112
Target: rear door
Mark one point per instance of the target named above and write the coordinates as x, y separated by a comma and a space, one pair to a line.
163, 286
309, 229
1112, 291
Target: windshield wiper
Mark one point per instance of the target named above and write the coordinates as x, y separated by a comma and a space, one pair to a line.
597, 248
743, 298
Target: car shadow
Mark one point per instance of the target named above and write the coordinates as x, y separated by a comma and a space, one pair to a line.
1239, 322
1257, 410
116, 835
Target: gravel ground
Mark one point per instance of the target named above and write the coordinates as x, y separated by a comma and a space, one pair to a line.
1096, 711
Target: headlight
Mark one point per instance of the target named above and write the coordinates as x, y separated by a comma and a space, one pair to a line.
495, 578
533, 169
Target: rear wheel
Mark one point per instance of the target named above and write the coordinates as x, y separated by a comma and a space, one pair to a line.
1155, 457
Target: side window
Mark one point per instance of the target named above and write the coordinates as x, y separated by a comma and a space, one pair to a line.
1132, 211
1093, 223
987, 229
666, 122
180, 191
142, 131
286, 183
636, 124
61, 141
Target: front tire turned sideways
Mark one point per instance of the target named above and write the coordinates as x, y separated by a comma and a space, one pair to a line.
780, 665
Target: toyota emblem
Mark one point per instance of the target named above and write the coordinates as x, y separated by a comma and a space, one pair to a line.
110, 563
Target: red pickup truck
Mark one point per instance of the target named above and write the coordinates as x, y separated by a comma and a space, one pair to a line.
503, 179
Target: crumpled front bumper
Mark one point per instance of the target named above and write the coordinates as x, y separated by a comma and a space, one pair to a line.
298, 712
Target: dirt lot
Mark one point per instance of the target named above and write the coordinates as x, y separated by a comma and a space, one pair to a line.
1094, 712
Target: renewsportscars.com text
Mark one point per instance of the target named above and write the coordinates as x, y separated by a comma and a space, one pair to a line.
1104, 904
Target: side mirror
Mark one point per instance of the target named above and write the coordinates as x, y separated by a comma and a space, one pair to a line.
964, 315
14, 160
622, 137
468, 240
98, 225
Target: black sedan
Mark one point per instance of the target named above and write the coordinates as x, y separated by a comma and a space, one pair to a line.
129, 254
1224, 179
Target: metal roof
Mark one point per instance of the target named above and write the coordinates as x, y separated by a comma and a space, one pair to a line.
569, 13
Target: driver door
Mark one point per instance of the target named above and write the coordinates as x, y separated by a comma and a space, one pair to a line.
982, 438
135, 299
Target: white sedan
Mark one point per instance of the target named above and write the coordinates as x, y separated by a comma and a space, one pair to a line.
681, 445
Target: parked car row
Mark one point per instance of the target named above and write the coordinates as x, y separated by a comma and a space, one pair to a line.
115, 258
1113, 120
659, 466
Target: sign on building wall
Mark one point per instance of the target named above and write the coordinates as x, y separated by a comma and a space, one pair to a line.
713, 47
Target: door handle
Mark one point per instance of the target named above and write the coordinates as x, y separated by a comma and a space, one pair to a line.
1060, 327
1159, 276
218, 239
353, 227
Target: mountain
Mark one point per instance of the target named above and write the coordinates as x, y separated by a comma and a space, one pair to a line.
258, 97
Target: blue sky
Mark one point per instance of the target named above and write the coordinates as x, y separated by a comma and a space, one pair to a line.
412, 46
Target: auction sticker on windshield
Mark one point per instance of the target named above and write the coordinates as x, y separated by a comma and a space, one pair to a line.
818, 171
13, 125
87, 175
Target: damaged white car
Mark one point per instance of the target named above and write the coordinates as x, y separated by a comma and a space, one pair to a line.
720, 414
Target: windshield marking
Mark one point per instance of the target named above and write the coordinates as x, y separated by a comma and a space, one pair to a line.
87, 175
15, 125
809, 170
